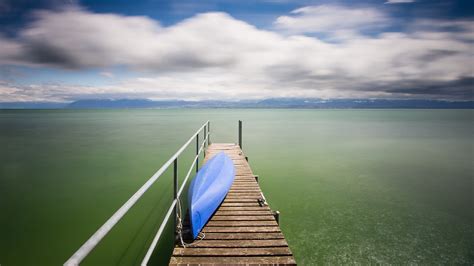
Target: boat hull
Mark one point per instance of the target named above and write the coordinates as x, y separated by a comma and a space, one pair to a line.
208, 189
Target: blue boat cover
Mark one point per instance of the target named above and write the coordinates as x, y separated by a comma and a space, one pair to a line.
208, 189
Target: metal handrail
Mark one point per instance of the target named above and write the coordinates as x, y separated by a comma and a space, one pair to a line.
92, 242
172, 207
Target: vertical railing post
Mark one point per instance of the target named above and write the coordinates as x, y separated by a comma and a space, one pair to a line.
175, 192
205, 136
197, 152
276, 214
209, 132
240, 134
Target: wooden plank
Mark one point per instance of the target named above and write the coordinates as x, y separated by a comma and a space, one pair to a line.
243, 218
238, 192
243, 236
240, 204
255, 260
245, 208
254, 197
242, 229
243, 172
244, 190
246, 179
240, 223
240, 200
240, 243
223, 252
244, 187
246, 213
244, 195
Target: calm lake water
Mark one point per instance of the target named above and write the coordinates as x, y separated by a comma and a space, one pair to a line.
352, 186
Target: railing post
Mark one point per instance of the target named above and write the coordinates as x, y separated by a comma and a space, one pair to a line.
276, 214
197, 152
205, 136
240, 134
175, 192
209, 132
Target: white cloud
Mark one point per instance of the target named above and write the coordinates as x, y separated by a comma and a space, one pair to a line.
215, 56
330, 18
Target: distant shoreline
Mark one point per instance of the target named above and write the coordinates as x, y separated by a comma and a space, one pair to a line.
281, 103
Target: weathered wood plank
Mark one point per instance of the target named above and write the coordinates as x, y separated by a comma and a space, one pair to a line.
240, 194
241, 223
233, 200
246, 181
241, 171
243, 218
248, 178
245, 208
244, 190
240, 243
255, 260
246, 213
222, 252
244, 195
246, 187
242, 229
240, 204
244, 236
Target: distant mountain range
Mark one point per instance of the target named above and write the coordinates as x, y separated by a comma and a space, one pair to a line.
267, 103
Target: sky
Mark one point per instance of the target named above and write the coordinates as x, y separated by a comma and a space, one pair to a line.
67, 50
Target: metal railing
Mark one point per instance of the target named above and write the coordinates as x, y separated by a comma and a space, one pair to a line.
94, 240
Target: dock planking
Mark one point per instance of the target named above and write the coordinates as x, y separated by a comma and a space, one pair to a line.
241, 231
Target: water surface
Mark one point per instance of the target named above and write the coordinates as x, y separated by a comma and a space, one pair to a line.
353, 186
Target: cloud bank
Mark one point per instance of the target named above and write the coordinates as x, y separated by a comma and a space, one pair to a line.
215, 56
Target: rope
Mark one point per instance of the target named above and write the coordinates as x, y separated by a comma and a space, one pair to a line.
179, 228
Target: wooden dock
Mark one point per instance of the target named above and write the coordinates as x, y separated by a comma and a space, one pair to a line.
243, 230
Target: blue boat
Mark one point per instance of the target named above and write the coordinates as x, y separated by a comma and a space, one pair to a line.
208, 189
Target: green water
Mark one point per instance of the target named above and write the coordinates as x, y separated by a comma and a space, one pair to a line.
353, 186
